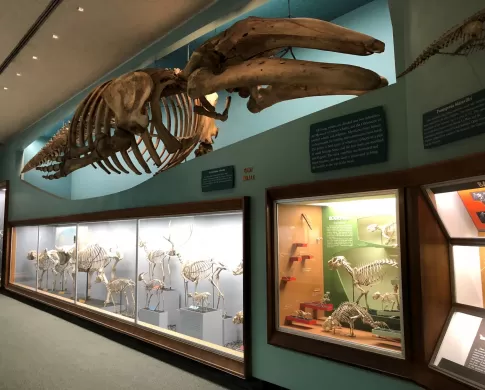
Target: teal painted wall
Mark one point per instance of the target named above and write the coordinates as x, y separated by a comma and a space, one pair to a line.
372, 19
280, 156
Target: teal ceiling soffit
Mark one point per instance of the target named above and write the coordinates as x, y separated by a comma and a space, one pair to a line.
205, 21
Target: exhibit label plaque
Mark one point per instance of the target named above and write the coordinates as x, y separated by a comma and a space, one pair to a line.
461, 119
349, 141
218, 179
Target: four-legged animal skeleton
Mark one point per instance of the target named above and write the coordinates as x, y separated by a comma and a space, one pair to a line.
117, 286
199, 299
198, 270
47, 261
151, 286
349, 312
365, 276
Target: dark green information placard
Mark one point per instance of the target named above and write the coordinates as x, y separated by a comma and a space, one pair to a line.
349, 141
461, 119
218, 179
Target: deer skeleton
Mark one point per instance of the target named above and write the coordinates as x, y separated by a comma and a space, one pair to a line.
349, 312
364, 276
151, 286
120, 114
154, 257
117, 286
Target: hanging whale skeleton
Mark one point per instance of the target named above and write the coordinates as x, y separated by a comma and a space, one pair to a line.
122, 115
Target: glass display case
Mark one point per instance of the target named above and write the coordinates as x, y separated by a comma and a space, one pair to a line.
338, 270
179, 274
460, 207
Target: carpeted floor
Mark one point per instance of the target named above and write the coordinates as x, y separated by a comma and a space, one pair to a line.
41, 351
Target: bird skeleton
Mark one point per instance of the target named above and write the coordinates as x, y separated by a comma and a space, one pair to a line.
177, 108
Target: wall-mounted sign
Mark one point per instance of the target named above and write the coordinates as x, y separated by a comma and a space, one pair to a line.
349, 141
218, 179
249, 174
461, 119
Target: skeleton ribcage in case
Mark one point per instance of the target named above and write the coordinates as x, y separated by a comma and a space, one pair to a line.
48, 261
197, 270
93, 257
372, 273
118, 285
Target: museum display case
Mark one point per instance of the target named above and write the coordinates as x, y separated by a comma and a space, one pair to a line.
336, 266
460, 208
176, 272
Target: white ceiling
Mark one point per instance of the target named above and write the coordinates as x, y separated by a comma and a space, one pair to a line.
90, 44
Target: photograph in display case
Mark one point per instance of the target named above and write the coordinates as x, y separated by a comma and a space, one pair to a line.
461, 350
180, 275
339, 270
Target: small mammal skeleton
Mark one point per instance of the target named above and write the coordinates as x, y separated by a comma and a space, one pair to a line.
200, 299
326, 298
349, 312
152, 286
304, 315
388, 232
238, 319
387, 299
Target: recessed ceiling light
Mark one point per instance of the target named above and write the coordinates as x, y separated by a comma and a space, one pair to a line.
5, 88
19, 74
55, 36
80, 9
34, 57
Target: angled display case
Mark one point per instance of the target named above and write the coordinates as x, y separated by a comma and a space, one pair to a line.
460, 208
173, 275
336, 266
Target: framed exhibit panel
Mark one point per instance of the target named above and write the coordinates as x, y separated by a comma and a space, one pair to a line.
176, 276
460, 209
336, 265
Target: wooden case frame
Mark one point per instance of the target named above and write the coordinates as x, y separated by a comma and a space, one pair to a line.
6, 239
426, 284
177, 345
323, 348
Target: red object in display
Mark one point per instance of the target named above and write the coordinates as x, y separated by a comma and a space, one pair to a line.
301, 245
307, 257
300, 320
317, 306
288, 278
296, 258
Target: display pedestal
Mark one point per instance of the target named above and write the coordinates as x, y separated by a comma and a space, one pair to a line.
204, 325
389, 313
387, 333
171, 305
154, 317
